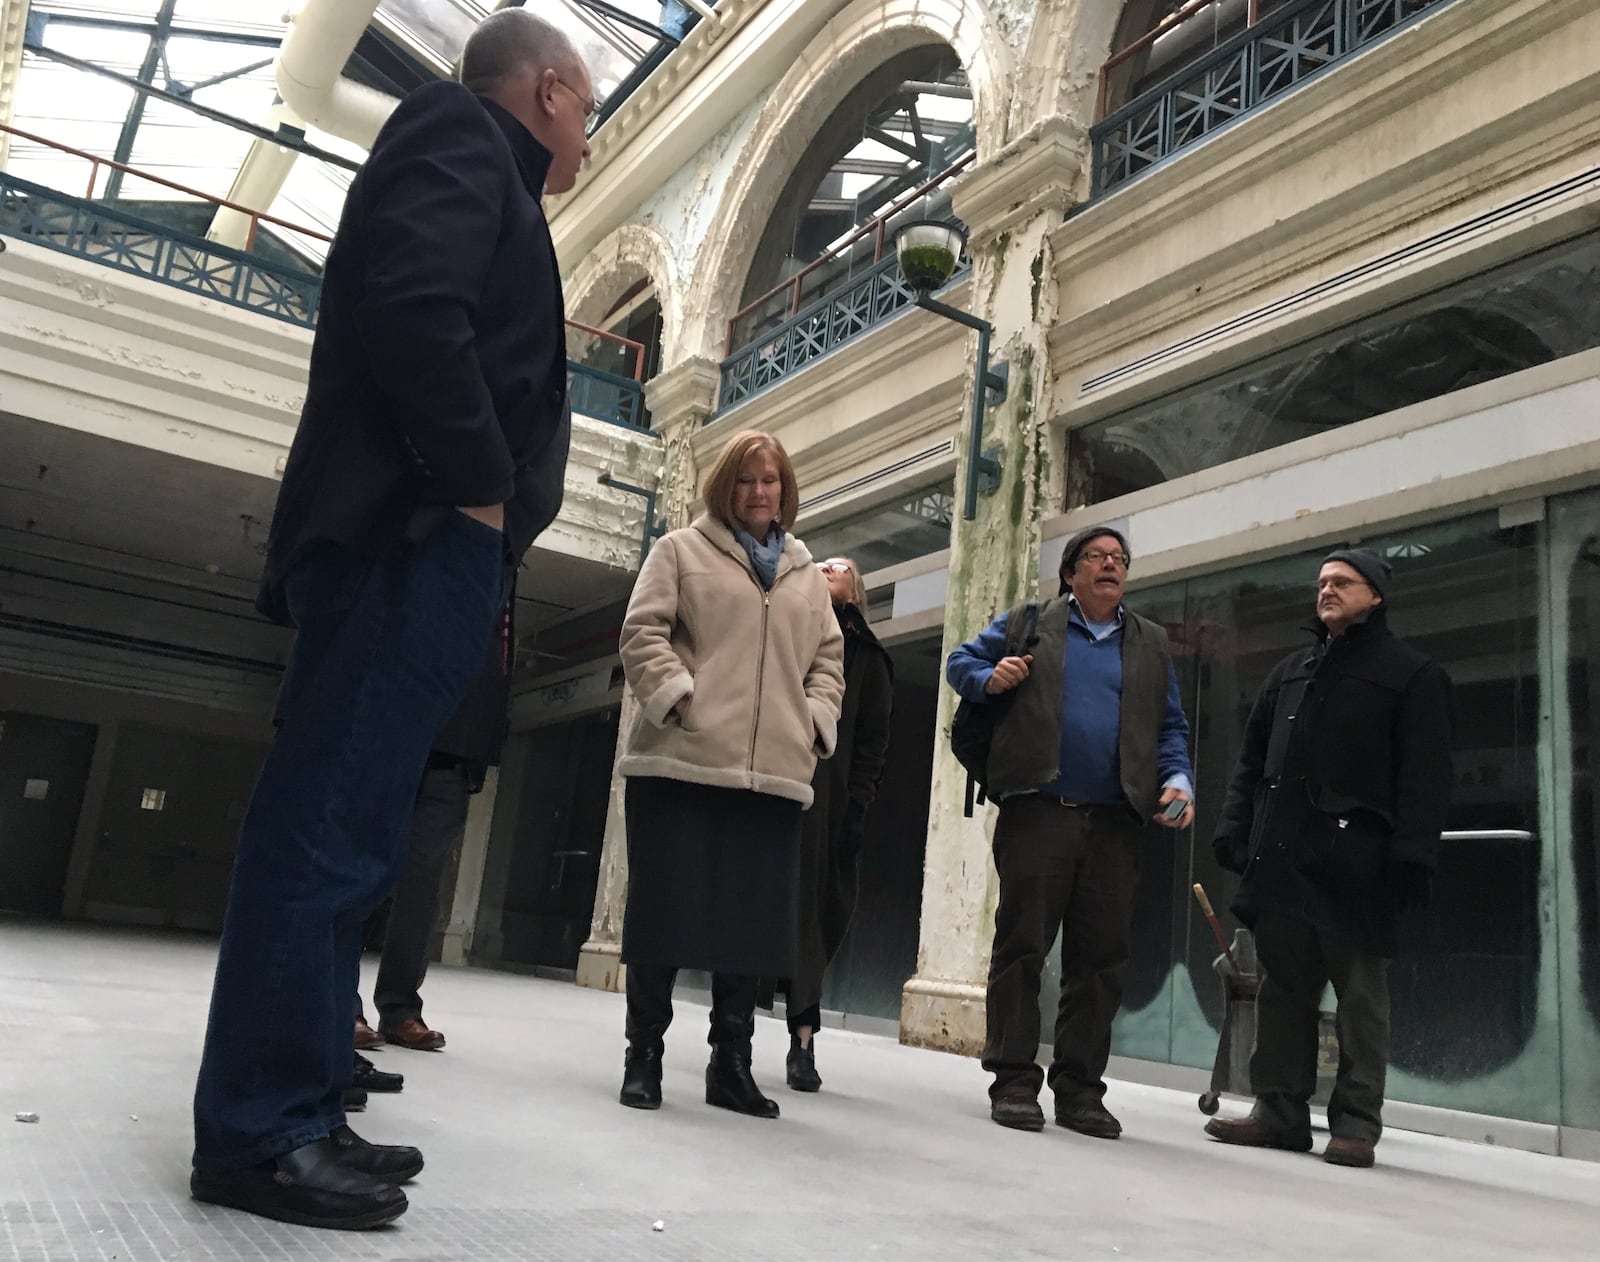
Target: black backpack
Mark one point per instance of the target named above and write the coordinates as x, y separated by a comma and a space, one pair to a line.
972, 730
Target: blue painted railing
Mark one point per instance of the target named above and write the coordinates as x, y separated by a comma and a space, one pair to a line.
131, 243
811, 333
1283, 50
605, 396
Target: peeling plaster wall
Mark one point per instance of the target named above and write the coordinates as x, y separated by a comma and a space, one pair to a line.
683, 208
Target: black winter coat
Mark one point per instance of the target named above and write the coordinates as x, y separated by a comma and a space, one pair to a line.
832, 830
438, 371
1345, 772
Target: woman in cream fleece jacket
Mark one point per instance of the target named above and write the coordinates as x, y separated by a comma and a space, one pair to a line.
732, 650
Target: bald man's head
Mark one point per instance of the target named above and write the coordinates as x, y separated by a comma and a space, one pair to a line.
529, 68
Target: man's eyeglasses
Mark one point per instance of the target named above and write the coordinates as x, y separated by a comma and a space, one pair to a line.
588, 102
1094, 556
1339, 583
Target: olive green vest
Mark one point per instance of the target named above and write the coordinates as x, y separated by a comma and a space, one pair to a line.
1026, 752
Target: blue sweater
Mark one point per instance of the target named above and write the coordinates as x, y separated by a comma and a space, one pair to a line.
1089, 764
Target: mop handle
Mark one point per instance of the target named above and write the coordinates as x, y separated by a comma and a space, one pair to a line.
1211, 919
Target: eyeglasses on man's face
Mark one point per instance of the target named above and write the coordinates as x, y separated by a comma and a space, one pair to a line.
1094, 556
1339, 583
588, 102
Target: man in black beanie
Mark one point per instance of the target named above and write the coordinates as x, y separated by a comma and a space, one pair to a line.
1333, 819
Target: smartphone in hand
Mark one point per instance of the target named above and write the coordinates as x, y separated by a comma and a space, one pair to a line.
1175, 808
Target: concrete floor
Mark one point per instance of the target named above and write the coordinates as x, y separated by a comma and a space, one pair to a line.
530, 1157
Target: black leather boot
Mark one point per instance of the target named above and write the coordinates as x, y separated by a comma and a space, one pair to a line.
729, 1084
802, 1066
641, 1076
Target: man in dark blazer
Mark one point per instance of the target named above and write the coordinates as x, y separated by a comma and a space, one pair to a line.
431, 450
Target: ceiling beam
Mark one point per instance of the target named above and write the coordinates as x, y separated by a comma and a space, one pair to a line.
155, 54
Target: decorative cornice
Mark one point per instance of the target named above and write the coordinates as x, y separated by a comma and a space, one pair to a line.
13, 27
697, 91
1035, 174
684, 394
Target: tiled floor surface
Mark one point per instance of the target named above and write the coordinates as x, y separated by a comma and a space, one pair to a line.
530, 1157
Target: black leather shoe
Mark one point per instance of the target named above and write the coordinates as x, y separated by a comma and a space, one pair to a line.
1089, 1117
802, 1067
354, 1100
310, 1187
368, 1077
730, 1086
641, 1078
387, 1163
1019, 1112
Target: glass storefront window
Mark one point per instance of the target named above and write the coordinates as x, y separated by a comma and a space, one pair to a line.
889, 533
1529, 312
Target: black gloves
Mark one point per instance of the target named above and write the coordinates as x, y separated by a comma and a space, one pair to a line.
1232, 855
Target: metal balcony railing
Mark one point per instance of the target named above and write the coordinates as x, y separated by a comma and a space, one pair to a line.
107, 234
869, 300
1287, 47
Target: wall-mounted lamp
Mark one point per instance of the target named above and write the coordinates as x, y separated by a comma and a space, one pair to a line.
653, 529
929, 250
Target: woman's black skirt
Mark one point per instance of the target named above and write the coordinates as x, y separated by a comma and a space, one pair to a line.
712, 878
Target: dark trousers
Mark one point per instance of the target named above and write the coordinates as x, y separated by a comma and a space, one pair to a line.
1298, 962
1072, 869
384, 653
436, 825
733, 1007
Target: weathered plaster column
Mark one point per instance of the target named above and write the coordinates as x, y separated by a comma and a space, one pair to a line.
679, 399
1009, 203
469, 869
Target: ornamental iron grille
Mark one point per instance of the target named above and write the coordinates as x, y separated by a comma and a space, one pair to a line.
604, 396
115, 238
1285, 49
823, 326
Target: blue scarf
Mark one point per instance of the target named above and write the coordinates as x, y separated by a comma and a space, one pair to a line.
763, 556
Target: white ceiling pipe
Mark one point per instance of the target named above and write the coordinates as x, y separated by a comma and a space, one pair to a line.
309, 75
260, 179
310, 65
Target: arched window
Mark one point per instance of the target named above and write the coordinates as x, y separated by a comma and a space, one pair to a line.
904, 124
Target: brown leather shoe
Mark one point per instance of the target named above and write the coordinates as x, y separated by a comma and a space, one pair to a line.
413, 1033
366, 1037
1344, 1150
1253, 1133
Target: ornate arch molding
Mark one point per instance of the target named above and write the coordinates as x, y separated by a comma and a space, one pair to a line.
631, 253
863, 36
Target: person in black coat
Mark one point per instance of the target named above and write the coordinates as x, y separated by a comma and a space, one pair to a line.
1333, 819
431, 448
831, 832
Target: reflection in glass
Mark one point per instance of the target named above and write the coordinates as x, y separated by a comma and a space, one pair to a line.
1531, 311
889, 533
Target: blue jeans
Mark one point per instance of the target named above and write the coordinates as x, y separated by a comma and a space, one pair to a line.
383, 654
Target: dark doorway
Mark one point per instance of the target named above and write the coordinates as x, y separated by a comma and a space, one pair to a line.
44, 766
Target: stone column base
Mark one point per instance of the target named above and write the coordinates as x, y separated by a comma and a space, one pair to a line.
600, 966
944, 1015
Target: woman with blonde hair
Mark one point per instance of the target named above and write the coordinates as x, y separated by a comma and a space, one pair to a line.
835, 826
733, 652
